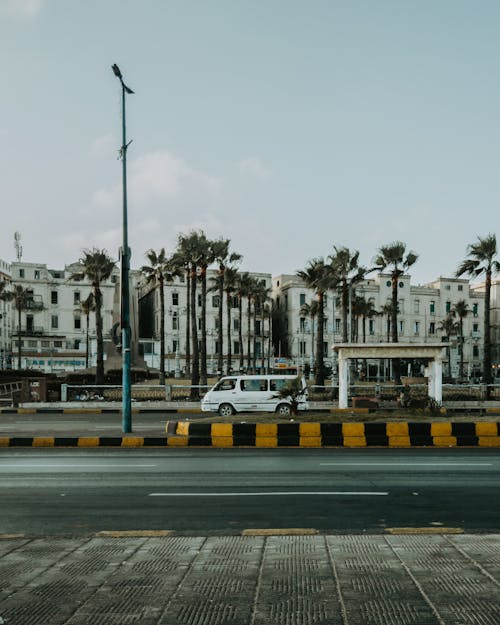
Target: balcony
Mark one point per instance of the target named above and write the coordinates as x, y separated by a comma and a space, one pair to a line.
29, 331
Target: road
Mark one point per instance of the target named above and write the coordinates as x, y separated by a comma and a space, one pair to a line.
224, 491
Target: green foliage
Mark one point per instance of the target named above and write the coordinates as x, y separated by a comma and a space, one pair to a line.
293, 391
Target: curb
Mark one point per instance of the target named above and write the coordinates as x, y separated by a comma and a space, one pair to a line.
272, 435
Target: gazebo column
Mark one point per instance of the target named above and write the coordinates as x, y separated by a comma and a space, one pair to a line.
431, 376
343, 381
438, 380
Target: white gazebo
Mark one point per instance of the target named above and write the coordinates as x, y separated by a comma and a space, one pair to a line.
433, 352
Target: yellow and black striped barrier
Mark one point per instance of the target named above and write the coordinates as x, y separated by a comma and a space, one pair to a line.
272, 435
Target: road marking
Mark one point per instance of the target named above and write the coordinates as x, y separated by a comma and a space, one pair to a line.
424, 530
406, 464
286, 531
133, 533
73, 466
275, 494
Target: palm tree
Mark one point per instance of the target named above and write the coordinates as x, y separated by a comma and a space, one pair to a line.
461, 310
97, 267
482, 261
230, 288
23, 300
224, 258
448, 326
348, 273
6, 296
392, 257
156, 273
261, 297
310, 310
205, 258
318, 276
251, 290
245, 282
87, 306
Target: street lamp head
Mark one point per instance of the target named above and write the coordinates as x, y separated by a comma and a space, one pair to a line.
116, 71
127, 89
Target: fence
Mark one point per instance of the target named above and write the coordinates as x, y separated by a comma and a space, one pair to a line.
139, 392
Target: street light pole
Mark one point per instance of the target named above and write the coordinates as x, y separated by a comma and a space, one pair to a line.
125, 267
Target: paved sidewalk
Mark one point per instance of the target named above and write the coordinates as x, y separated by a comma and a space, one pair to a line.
251, 580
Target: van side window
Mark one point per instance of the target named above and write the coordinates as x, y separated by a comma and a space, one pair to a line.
226, 385
253, 385
277, 385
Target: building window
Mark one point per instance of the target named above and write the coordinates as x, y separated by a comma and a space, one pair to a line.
175, 299
21, 273
199, 299
257, 327
302, 299
475, 328
337, 325
432, 308
416, 306
460, 287
447, 287
53, 297
325, 349
175, 321
417, 328
37, 274
215, 301
475, 351
236, 348
54, 322
432, 327
371, 327
402, 327
448, 307
474, 310
76, 297
286, 301
78, 323
174, 346
76, 344
32, 344
236, 325
302, 324
45, 343
302, 348
58, 344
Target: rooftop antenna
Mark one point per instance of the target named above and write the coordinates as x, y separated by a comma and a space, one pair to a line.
18, 246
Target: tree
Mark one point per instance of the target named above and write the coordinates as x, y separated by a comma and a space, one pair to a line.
230, 288
251, 290
347, 273
448, 326
293, 392
23, 300
461, 310
261, 297
87, 306
318, 276
7, 296
394, 258
97, 267
157, 272
205, 258
310, 310
224, 258
244, 285
482, 261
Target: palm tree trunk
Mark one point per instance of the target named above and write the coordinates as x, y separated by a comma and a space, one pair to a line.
203, 351
19, 338
249, 332
487, 335
394, 321
461, 372
262, 341
345, 306
228, 333
87, 341
240, 331
320, 374
188, 322
99, 376
195, 369
220, 329
162, 332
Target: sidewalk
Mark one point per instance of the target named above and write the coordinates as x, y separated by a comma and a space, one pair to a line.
259, 578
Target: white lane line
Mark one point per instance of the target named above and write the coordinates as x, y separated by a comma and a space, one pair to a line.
274, 494
406, 464
72, 466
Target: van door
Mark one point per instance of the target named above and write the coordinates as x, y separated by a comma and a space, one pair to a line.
254, 394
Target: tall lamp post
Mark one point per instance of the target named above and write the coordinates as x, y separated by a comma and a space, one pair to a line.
125, 266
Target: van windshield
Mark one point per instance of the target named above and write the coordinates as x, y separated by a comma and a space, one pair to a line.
227, 384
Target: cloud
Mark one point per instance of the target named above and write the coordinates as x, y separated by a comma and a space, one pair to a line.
159, 176
21, 8
253, 167
104, 144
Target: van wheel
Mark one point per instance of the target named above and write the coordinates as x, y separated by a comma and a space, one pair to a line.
226, 410
284, 410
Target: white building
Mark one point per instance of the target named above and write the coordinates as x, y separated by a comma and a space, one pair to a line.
176, 320
52, 331
422, 309
5, 317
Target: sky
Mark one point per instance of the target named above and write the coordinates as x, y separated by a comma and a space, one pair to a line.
287, 126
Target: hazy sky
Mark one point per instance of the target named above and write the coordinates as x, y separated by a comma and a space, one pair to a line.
287, 126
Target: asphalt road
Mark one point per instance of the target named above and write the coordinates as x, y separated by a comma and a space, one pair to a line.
192, 491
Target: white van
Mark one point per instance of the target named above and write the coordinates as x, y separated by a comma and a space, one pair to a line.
242, 393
